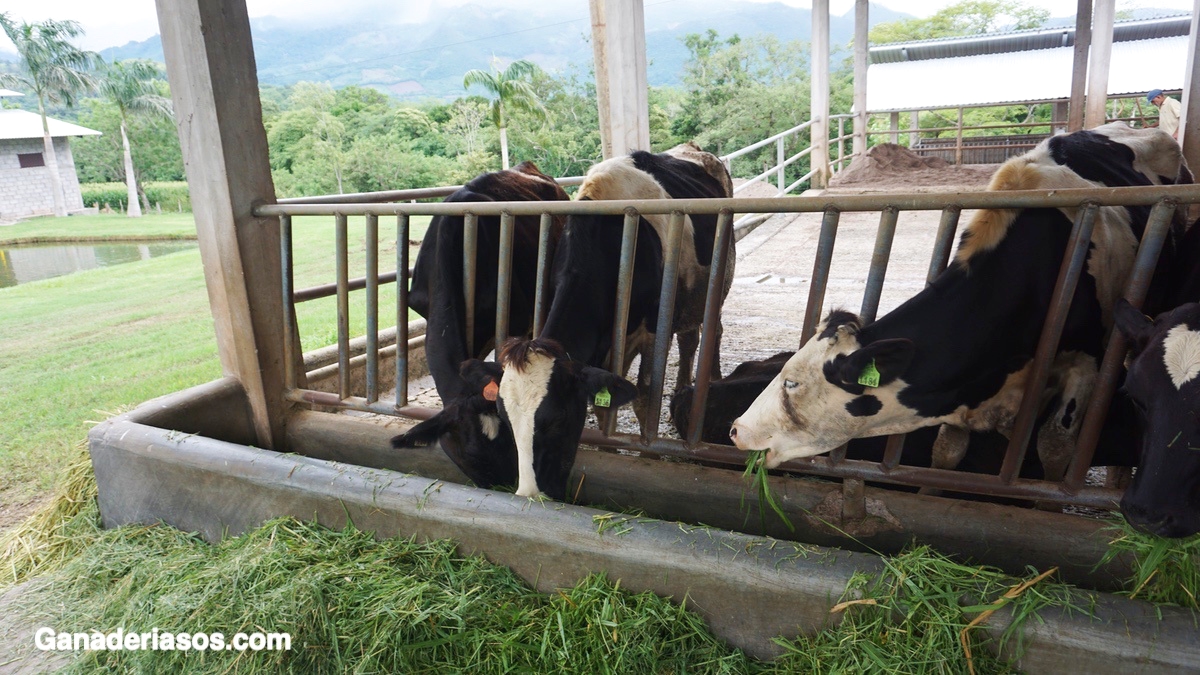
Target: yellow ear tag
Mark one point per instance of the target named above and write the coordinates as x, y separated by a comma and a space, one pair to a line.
603, 398
870, 375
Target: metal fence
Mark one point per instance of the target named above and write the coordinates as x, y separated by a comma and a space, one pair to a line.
1006, 483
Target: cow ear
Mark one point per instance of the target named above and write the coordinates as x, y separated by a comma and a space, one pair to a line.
1135, 326
620, 391
878, 363
479, 374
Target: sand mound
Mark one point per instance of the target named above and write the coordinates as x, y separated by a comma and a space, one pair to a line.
888, 166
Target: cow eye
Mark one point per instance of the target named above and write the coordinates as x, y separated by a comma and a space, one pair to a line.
788, 384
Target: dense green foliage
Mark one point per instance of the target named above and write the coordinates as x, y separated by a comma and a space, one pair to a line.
969, 17
169, 195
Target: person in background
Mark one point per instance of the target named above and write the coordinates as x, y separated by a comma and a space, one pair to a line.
1168, 112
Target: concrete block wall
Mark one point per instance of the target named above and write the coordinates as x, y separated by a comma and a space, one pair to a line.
26, 192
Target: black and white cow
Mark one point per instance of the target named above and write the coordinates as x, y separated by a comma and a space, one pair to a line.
469, 427
548, 383
958, 353
1164, 383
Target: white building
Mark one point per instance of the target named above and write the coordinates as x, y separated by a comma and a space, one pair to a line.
25, 185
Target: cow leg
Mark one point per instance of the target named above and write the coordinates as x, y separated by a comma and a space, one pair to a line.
948, 450
1057, 435
688, 341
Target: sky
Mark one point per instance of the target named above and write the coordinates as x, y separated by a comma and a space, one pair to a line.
136, 20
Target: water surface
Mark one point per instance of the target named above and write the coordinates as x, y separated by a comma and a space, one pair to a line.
23, 264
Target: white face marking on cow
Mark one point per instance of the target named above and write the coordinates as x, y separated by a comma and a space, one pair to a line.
802, 414
490, 425
1181, 354
522, 393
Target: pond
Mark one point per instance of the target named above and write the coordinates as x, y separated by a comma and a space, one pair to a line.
23, 264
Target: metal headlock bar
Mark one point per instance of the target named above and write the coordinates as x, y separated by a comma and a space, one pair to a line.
1007, 483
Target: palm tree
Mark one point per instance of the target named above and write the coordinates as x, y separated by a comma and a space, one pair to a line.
511, 90
56, 71
130, 86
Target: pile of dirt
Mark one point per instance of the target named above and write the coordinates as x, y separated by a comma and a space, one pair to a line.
888, 166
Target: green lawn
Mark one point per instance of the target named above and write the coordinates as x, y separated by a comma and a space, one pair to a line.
107, 226
79, 348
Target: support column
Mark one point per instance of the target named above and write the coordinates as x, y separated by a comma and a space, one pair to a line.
214, 85
820, 93
861, 53
914, 128
1189, 121
1102, 36
894, 126
1058, 117
1079, 68
619, 47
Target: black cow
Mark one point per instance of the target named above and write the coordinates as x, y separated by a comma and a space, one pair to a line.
1164, 497
957, 354
547, 383
469, 427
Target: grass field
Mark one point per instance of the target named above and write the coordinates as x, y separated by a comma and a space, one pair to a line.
79, 348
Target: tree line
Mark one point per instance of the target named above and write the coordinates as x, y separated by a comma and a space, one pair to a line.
735, 91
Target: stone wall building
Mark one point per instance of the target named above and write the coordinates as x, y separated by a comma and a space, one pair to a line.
25, 185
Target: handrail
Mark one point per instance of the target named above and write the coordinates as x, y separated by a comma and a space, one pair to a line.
396, 195
766, 141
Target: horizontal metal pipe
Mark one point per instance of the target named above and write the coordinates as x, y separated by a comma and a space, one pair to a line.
397, 195
330, 290
767, 141
330, 371
1145, 195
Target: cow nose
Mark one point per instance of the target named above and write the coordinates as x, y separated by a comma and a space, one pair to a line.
733, 432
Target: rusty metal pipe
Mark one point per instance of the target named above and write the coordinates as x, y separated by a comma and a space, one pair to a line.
289, 307
402, 226
1073, 266
712, 315
372, 277
943, 243
879, 263
820, 275
1158, 225
343, 303
629, 235
892, 452
330, 290
666, 322
543, 269
470, 249
504, 278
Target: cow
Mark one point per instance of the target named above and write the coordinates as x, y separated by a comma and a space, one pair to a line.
1164, 497
958, 353
469, 427
548, 382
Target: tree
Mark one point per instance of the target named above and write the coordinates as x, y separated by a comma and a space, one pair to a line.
970, 17
131, 86
511, 90
56, 71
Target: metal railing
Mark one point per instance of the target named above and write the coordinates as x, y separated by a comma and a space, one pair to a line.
1006, 483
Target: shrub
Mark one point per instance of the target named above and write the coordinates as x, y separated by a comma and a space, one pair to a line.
172, 195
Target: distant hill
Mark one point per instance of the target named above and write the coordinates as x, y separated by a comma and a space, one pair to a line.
429, 59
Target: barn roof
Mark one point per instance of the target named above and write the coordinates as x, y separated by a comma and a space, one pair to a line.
25, 124
1021, 66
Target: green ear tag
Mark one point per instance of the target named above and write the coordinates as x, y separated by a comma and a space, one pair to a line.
603, 398
870, 375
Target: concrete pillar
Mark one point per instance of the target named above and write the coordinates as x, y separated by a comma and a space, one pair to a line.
1097, 90
1079, 68
894, 127
861, 52
214, 84
619, 47
914, 128
1189, 122
820, 93
1058, 117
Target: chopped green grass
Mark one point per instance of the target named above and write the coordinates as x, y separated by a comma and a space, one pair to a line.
1166, 571
757, 475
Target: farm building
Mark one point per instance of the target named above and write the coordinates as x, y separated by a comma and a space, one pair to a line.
25, 181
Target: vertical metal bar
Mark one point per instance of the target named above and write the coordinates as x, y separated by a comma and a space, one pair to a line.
1157, 228
879, 263
712, 315
543, 264
820, 275
624, 291
779, 159
470, 246
841, 142
854, 500
504, 277
343, 305
372, 289
1064, 290
944, 242
401, 310
838, 454
289, 305
666, 320
958, 139
892, 452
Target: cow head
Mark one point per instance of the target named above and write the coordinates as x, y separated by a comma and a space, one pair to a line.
830, 391
470, 431
1164, 384
544, 396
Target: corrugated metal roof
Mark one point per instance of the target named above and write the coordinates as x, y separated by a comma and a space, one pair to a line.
1038, 75
1024, 40
24, 124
